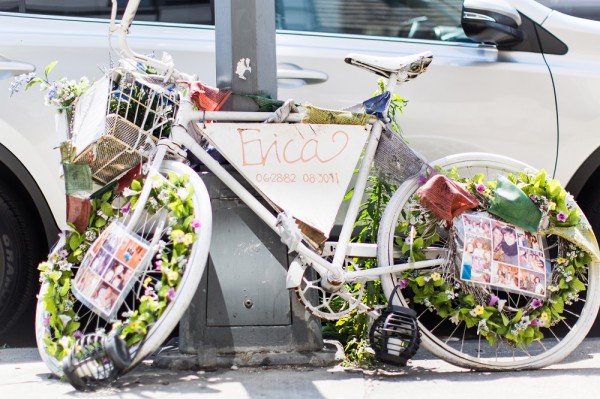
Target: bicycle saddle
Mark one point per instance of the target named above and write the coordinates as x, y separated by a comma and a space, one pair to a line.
408, 67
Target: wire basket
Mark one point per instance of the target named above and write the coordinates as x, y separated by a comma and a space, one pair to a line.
95, 361
136, 111
394, 336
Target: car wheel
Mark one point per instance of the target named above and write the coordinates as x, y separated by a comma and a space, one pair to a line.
19, 254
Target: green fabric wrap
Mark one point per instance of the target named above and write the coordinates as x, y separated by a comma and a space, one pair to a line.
514, 206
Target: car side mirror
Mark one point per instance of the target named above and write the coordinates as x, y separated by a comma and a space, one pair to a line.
492, 21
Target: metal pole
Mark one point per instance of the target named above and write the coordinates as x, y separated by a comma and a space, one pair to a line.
245, 50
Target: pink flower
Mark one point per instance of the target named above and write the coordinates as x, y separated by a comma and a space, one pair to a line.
422, 180
480, 188
171, 294
126, 207
158, 265
561, 217
537, 322
403, 283
536, 303
493, 300
46, 321
149, 291
77, 334
195, 223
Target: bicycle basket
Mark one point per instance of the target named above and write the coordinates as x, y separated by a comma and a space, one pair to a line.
95, 361
394, 336
119, 120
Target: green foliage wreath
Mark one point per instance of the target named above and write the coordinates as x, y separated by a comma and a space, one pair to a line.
493, 317
61, 319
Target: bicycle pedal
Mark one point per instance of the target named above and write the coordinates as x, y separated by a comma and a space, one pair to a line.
295, 272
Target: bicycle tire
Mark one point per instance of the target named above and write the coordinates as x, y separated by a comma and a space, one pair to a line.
474, 354
159, 330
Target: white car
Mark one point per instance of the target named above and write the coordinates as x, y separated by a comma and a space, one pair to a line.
519, 79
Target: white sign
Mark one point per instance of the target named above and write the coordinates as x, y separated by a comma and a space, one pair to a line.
302, 168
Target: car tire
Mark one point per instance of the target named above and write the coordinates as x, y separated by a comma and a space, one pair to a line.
589, 201
19, 254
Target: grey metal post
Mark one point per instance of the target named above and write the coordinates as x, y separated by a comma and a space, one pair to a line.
242, 304
245, 50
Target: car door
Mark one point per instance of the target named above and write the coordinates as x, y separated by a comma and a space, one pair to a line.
473, 97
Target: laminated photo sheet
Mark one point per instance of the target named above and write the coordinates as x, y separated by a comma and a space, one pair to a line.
504, 256
109, 269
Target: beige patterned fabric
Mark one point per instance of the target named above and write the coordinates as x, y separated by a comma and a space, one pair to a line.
328, 116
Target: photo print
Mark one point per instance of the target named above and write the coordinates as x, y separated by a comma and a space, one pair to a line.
502, 255
109, 268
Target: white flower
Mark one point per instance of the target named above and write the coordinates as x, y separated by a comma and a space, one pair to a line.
65, 342
90, 235
450, 294
129, 192
64, 266
163, 196
157, 183
182, 193
454, 318
482, 326
68, 305
500, 304
65, 319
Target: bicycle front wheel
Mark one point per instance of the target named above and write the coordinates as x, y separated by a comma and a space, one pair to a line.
152, 290
460, 340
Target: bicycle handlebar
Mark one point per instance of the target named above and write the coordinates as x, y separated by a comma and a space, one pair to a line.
123, 28
129, 13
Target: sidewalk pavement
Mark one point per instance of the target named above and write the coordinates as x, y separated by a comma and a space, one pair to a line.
23, 375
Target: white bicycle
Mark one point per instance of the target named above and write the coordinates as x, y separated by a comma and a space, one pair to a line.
474, 324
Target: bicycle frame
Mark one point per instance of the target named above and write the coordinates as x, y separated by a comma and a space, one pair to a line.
336, 275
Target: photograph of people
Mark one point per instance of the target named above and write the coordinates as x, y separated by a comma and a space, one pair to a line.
86, 282
506, 276
538, 287
101, 262
497, 239
113, 237
131, 253
110, 272
105, 297
508, 247
467, 260
477, 226
118, 277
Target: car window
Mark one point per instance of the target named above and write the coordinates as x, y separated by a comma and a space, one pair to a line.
180, 11
589, 9
417, 19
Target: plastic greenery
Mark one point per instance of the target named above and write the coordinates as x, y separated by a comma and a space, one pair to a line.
60, 318
493, 317
60, 93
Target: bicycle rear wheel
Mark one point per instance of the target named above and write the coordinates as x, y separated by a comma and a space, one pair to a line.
176, 220
455, 340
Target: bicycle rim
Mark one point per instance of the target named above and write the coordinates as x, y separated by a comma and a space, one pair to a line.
193, 268
463, 346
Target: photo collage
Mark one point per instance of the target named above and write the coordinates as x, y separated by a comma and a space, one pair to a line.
502, 255
108, 268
